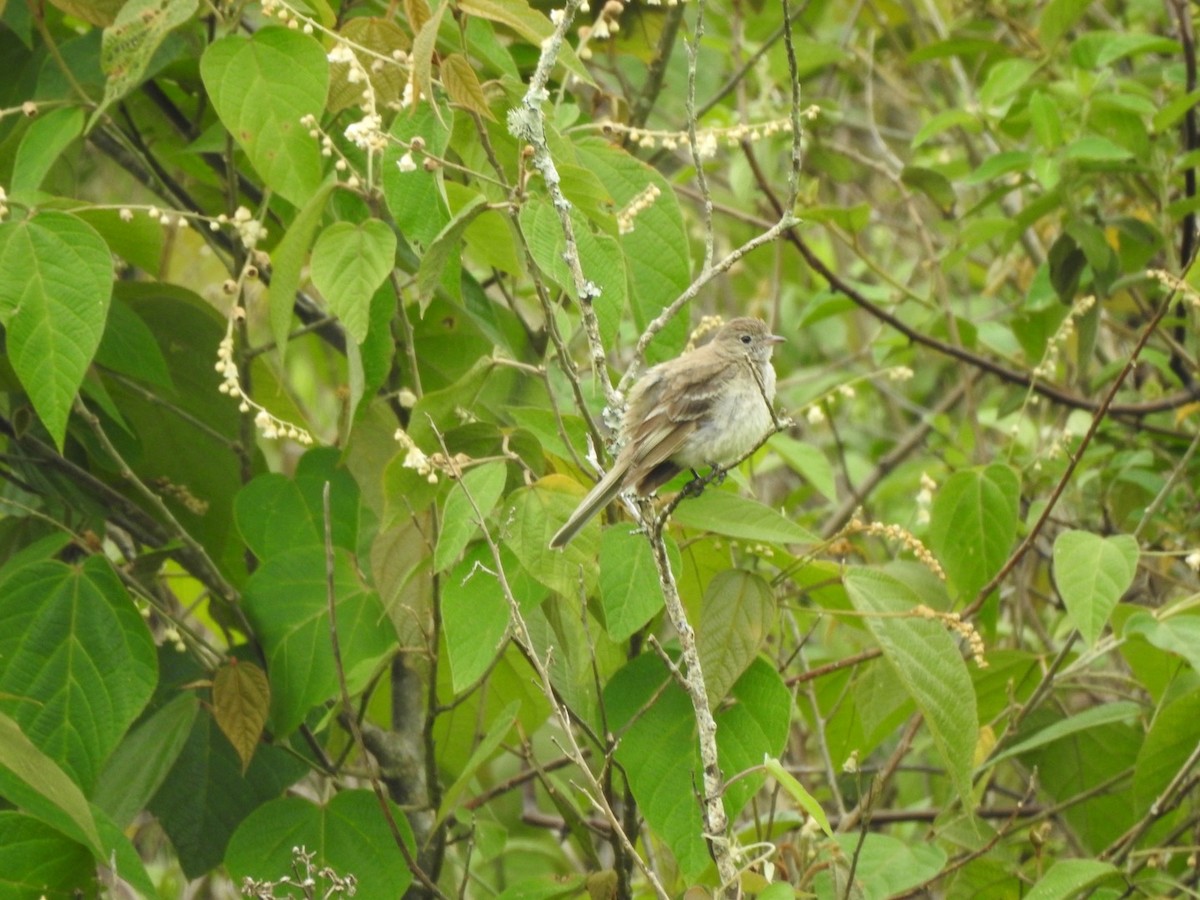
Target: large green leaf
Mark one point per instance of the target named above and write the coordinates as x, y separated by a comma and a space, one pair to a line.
34, 782
738, 610
262, 86
287, 262
43, 143
480, 488
414, 198
206, 796
78, 661
475, 613
1068, 878
973, 524
131, 41
275, 513
349, 263
1168, 745
55, 284
723, 512
37, 861
1092, 573
350, 835
533, 515
928, 664
884, 867
660, 756
138, 767
600, 258
657, 253
630, 591
287, 604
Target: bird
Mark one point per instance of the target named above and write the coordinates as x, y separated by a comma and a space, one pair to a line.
706, 407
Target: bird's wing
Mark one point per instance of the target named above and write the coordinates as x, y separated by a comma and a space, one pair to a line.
662, 415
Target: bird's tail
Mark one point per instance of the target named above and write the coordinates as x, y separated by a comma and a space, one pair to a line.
605, 491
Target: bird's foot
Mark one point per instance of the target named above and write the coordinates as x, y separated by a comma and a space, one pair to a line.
695, 487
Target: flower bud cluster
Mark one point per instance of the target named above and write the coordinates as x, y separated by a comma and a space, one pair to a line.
271, 427
429, 466
1046, 368
639, 204
707, 139
903, 536
965, 630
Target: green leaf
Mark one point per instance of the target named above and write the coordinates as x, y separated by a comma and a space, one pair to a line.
424, 44
942, 122
723, 512
973, 524
798, 793
752, 723
287, 604
415, 198
206, 796
1093, 148
55, 285
530, 24
1169, 744
38, 861
78, 661
737, 612
31, 780
349, 263
1068, 877
475, 613
446, 246
261, 87
806, 461
1003, 80
533, 514
129, 347
1067, 262
272, 516
48, 136
1178, 634
483, 485
600, 258
140, 764
130, 42
1092, 573
1120, 711
287, 262
932, 184
1058, 17
659, 752
885, 866
1174, 110
1000, 164
349, 835
656, 253
630, 592
1046, 117
929, 665
500, 727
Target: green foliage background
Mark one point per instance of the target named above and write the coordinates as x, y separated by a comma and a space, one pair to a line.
306, 358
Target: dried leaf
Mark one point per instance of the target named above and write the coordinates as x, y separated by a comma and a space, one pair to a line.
241, 700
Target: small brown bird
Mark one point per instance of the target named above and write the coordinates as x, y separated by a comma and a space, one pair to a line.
703, 408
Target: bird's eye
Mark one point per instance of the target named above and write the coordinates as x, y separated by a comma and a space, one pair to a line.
745, 339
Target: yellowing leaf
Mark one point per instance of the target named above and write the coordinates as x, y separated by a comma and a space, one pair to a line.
463, 85
241, 700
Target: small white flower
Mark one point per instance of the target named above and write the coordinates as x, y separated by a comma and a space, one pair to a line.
1193, 560
406, 163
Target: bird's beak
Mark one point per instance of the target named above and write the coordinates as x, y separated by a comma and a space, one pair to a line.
776, 339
